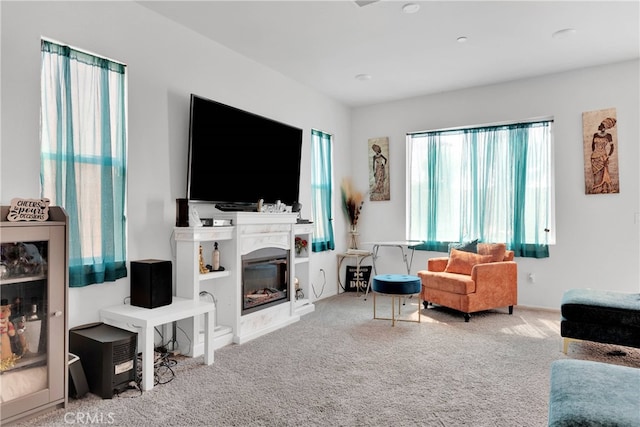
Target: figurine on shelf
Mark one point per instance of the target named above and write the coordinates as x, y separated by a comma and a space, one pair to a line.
19, 341
299, 293
203, 267
18, 318
7, 331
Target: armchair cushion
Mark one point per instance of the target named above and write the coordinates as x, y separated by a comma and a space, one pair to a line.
471, 246
496, 250
453, 283
462, 262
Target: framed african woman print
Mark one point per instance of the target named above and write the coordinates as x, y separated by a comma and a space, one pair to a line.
600, 144
379, 169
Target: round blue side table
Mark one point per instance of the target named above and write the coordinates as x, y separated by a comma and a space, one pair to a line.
396, 285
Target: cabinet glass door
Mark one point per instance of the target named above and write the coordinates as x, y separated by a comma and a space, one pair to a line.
23, 322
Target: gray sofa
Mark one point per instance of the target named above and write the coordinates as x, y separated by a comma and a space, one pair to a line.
607, 317
586, 393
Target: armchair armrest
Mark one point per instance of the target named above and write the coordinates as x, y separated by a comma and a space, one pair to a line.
498, 279
437, 264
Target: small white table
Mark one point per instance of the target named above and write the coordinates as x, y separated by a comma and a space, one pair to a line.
144, 320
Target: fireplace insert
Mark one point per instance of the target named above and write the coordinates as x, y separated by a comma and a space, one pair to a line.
264, 279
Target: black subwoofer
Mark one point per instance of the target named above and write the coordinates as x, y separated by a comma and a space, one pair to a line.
108, 356
151, 283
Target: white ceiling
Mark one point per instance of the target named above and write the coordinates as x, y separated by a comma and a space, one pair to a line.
325, 44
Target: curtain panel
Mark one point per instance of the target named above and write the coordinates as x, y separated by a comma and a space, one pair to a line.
83, 157
321, 191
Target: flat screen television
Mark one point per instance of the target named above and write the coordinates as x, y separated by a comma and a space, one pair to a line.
237, 158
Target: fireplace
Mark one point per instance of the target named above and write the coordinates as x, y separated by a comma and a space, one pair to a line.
264, 279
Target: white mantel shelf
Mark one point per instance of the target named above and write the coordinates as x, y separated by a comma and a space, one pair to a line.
203, 233
242, 218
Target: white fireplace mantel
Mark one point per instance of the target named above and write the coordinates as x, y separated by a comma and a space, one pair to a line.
250, 231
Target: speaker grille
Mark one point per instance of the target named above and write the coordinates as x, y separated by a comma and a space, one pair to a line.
124, 352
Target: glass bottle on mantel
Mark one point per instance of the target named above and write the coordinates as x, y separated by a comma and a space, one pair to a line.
216, 257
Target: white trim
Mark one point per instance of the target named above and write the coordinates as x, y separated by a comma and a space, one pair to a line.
496, 124
82, 50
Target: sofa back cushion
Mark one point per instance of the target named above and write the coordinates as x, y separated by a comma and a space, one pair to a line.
462, 262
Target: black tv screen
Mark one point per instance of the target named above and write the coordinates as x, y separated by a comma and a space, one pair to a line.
237, 157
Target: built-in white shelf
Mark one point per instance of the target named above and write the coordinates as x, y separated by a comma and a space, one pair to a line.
213, 275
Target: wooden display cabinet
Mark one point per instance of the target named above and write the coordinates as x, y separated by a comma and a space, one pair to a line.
33, 290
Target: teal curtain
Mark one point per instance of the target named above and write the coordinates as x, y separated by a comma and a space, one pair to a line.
487, 183
83, 157
321, 192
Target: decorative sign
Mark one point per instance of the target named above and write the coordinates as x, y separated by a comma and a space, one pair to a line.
358, 278
28, 210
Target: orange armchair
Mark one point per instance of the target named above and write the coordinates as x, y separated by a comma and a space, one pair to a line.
470, 282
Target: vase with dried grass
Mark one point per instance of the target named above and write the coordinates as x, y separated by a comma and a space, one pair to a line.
352, 203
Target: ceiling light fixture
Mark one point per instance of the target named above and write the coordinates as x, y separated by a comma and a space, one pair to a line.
564, 34
363, 77
411, 8
462, 39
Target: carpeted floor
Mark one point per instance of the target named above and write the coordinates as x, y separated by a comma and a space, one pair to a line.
340, 367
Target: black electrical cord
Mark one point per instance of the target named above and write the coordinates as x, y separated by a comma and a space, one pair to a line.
163, 372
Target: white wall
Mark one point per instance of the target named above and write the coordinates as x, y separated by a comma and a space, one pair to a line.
166, 63
598, 244
597, 235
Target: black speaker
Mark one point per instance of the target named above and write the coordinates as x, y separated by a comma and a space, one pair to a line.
151, 283
182, 213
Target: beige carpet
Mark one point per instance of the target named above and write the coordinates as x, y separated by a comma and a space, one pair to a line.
340, 367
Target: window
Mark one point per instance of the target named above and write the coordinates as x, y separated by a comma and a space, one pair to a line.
489, 183
321, 191
83, 157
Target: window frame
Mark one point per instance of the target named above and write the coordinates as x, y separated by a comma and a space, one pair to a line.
533, 247
84, 156
322, 204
